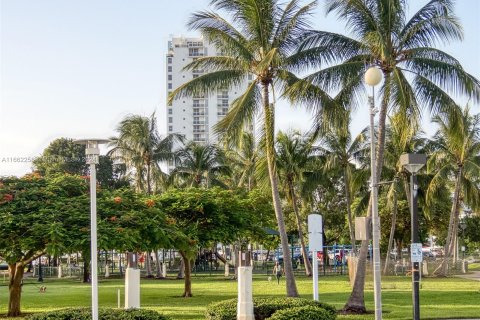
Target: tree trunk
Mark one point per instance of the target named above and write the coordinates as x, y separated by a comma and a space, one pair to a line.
351, 227
181, 269
15, 271
442, 270
158, 268
308, 265
356, 301
392, 232
148, 264
269, 115
187, 292
86, 269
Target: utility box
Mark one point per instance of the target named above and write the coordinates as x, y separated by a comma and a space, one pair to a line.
363, 228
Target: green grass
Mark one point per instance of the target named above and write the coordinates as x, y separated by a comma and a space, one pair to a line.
440, 298
474, 266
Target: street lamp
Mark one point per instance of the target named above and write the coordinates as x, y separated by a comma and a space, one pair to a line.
373, 76
92, 152
413, 162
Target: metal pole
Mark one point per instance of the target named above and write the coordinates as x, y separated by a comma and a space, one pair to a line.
415, 239
375, 220
315, 275
93, 248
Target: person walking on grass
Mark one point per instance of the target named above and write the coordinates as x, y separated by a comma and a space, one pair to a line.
278, 271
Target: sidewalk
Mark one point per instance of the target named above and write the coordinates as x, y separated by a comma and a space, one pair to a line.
472, 275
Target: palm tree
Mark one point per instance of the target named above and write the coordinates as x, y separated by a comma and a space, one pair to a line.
259, 40
455, 160
342, 152
295, 156
243, 157
402, 136
200, 165
141, 148
416, 74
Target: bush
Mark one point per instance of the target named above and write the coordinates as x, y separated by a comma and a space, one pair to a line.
303, 313
103, 314
263, 308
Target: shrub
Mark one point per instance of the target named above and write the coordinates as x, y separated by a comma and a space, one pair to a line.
263, 308
103, 314
303, 313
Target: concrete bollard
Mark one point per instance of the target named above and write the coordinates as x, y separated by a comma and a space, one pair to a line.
245, 294
132, 288
107, 271
59, 272
227, 269
425, 268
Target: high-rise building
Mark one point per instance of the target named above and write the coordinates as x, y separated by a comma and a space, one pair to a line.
194, 117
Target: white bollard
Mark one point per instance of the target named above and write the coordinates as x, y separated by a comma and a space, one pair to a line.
59, 271
107, 271
164, 270
132, 288
227, 269
245, 294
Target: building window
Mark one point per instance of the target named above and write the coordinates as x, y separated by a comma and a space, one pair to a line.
170, 128
170, 111
169, 68
169, 77
169, 86
169, 59
170, 120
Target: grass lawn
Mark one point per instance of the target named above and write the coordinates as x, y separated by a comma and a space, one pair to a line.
440, 298
474, 267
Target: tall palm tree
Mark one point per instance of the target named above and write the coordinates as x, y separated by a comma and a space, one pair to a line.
259, 38
200, 165
142, 149
402, 136
342, 152
295, 158
455, 160
416, 74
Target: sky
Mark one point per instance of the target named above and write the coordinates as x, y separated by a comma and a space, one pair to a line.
76, 68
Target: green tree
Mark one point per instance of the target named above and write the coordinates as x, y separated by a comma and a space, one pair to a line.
62, 155
416, 74
455, 162
259, 40
200, 165
205, 217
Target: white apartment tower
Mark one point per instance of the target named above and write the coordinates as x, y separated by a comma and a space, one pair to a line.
194, 117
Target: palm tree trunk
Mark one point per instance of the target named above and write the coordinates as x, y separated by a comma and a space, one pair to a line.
356, 301
270, 151
149, 187
351, 227
442, 270
392, 232
308, 265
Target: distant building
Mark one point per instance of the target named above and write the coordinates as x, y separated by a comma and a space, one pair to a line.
194, 117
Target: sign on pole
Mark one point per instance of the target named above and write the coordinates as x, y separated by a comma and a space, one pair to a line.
315, 243
416, 252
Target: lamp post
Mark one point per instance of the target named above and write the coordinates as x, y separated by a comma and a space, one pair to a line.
92, 152
413, 162
373, 76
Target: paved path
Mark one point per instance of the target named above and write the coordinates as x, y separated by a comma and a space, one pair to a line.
472, 275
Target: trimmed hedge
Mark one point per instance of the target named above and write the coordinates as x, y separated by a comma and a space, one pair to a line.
263, 308
303, 313
103, 314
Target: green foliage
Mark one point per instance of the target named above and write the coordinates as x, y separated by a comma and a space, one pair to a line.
62, 156
103, 314
303, 313
264, 308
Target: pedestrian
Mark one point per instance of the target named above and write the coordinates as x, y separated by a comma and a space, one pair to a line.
277, 271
